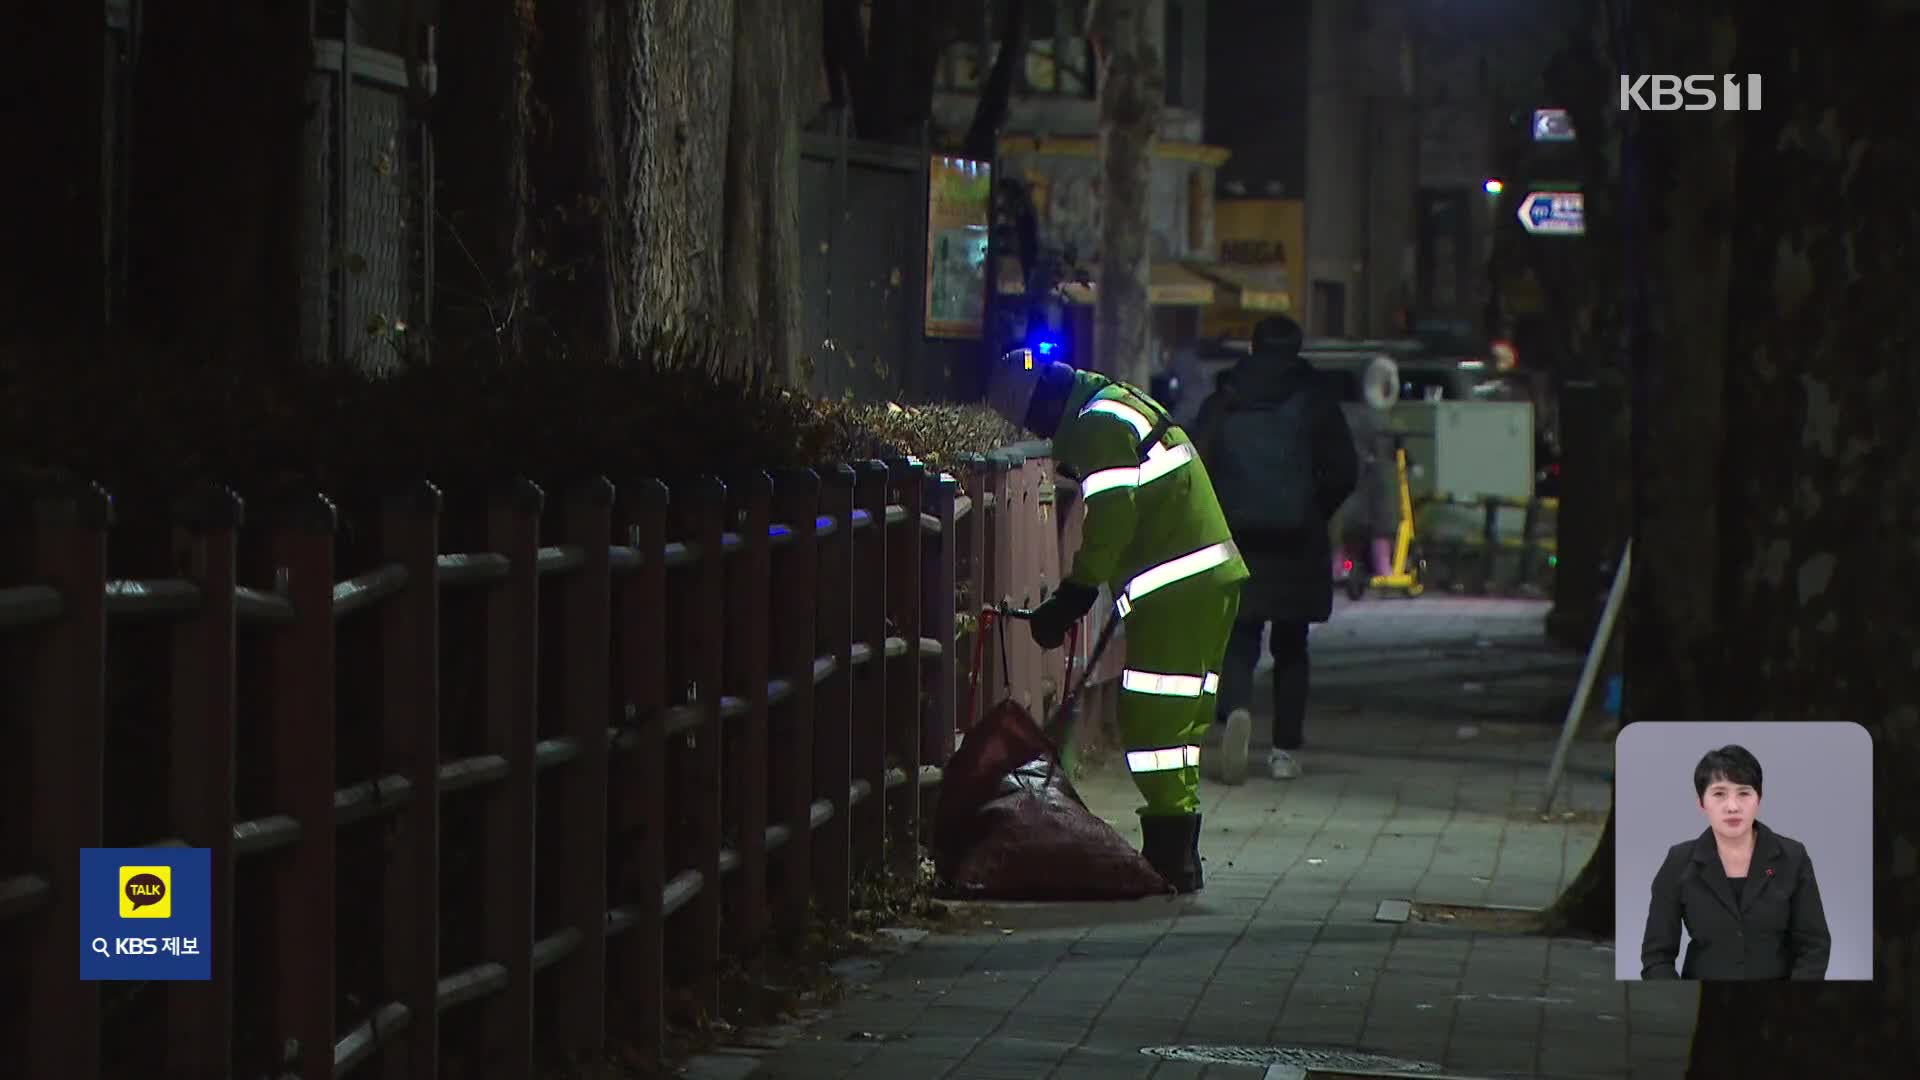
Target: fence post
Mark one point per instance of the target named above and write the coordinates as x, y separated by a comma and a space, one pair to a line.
64, 709
743, 744
409, 531
512, 725
200, 1015
938, 605
971, 570
1019, 582
702, 512
637, 786
797, 505
997, 560
301, 660
833, 703
586, 603
869, 682
906, 679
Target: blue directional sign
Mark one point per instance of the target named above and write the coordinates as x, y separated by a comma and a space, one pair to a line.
1554, 213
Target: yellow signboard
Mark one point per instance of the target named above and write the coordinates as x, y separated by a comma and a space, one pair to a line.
1262, 262
959, 211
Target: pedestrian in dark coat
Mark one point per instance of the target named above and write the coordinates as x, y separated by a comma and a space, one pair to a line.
1276, 409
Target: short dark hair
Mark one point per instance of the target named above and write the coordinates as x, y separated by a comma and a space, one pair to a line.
1734, 764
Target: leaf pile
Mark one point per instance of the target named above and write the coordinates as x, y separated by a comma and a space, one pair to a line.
147, 430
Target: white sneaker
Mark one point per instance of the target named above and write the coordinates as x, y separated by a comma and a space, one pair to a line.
1231, 766
1282, 765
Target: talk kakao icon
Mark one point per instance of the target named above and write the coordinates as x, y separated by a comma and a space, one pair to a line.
146, 892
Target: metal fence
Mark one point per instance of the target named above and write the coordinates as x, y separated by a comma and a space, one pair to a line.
863, 252
367, 244
484, 776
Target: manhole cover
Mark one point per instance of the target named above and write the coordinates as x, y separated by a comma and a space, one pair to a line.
1298, 1056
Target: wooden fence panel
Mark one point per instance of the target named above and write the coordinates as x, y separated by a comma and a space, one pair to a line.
795, 600
833, 718
938, 586
637, 786
512, 726
701, 507
977, 476
409, 546
744, 725
870, 667
906, 669
202, 773
62, 706
747, 694
579, 978
300, 718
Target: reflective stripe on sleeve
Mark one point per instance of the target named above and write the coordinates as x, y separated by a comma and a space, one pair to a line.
1177, 569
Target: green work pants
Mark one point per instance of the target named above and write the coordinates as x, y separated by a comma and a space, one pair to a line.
1174, 640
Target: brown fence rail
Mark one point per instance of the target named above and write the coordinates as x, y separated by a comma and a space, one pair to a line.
515, 790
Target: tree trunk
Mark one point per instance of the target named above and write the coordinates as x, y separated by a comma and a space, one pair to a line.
1587, 904
760, 268
990, 115
671, 68
1818, 492
220, 114
1132, 92
55, 288
573, 153
481, 118
1683, 164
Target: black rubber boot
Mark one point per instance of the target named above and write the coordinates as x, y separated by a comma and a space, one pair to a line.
1172, 847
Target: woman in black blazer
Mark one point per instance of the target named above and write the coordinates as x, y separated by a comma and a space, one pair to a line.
1746, 894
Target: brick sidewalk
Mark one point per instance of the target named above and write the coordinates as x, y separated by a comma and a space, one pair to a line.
1426, 756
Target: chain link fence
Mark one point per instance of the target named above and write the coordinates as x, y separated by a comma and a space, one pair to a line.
367, 250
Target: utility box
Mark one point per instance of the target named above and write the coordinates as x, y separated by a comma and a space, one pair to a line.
1467, 450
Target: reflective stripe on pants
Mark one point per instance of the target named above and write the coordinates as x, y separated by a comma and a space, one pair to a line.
1163, 759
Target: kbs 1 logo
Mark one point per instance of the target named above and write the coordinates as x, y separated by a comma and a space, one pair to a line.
1689, 93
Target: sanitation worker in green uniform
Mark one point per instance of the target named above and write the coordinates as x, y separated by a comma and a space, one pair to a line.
1154, 535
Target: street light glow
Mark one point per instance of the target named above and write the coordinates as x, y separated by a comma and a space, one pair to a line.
1493, 186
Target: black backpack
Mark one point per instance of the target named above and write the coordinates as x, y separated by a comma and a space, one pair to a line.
1261, 463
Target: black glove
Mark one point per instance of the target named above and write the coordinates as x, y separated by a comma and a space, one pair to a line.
1060, 611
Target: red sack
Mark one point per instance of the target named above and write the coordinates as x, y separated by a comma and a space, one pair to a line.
1011, 827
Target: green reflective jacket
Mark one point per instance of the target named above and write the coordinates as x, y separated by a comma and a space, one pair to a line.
1145, 511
